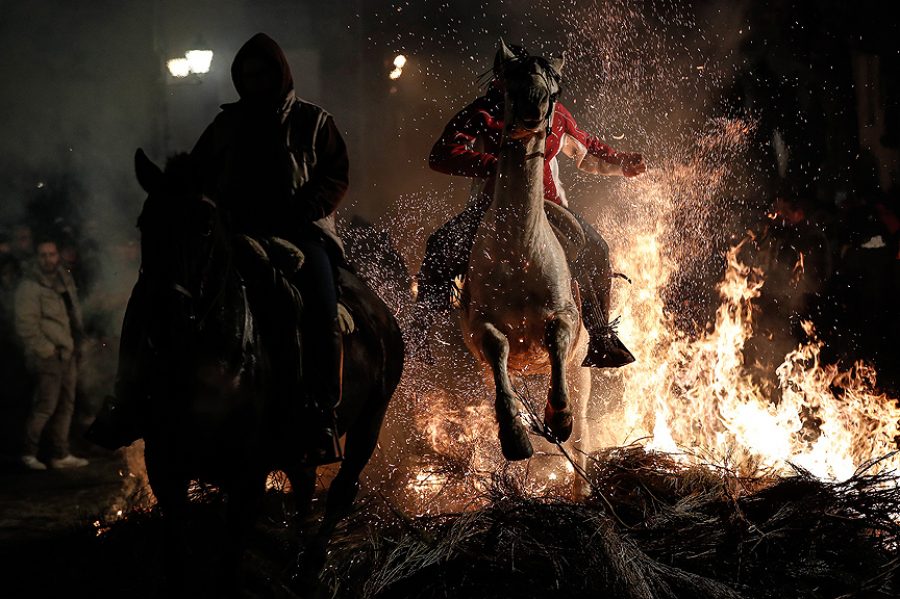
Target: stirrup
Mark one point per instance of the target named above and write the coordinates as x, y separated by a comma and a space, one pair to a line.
345, 319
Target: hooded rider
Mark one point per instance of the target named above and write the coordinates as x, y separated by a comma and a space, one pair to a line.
277, 167
468, 147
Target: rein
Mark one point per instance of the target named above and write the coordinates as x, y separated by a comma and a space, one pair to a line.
513, 143
184, 291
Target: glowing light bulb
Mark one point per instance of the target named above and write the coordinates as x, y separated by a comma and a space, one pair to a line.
199, 60
179, 67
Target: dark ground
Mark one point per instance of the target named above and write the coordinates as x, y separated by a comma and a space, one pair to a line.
60, 536
674, 533
47, 522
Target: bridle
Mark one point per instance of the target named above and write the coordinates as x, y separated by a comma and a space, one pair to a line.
182, 290
550, 76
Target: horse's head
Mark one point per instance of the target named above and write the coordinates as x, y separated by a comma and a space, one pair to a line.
532, 85
181, 231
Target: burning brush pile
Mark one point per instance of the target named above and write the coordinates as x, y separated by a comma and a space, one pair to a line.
651, 528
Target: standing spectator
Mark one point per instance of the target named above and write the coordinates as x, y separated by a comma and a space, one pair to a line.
48, 321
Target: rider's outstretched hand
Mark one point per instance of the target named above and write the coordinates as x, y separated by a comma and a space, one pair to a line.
632, 164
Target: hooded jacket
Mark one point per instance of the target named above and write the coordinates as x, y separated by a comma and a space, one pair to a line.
275, 165
43, 321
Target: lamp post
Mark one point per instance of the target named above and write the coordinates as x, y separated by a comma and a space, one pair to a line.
182, 72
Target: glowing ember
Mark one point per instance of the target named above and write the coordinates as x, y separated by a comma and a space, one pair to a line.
278, 481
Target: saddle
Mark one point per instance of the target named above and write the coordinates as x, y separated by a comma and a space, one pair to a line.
273, 262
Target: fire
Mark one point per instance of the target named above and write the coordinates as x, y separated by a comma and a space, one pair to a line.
459, 454
694, 395
689, 393
798, 269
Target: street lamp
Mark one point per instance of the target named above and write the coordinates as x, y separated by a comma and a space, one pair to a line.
186, 96
199, 60
193, 62
399, 63
179, 67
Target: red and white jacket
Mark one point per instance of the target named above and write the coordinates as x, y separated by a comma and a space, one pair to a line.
471, 141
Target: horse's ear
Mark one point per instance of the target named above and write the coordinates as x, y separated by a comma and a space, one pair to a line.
557, 62
148, 174
504, 55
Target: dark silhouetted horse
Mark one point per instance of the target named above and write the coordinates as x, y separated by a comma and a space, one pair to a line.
215, 410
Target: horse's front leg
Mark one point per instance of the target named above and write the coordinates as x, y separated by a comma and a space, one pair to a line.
171, 491
513, 436
245, 492
560, 334
580, 380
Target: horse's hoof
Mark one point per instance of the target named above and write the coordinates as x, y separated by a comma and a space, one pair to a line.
560, 423
514, 441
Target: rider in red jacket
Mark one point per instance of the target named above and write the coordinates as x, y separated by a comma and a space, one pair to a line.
481, 122
469, 147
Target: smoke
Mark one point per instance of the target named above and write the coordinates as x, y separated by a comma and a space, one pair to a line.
76, 95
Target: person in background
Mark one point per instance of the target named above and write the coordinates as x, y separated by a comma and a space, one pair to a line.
48, 322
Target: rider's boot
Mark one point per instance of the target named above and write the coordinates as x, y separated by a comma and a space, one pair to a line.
606, 350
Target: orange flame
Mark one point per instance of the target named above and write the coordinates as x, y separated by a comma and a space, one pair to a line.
695, 396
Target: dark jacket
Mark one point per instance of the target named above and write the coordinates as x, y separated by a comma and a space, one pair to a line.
274, 168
